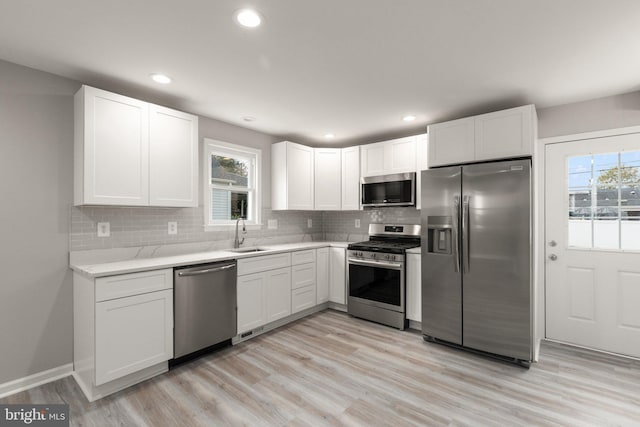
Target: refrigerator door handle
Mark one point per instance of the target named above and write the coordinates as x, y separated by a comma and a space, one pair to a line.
454, 237
465, 234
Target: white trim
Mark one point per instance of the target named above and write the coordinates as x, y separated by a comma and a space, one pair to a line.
232, 150
540, 201
590, 135
44, 377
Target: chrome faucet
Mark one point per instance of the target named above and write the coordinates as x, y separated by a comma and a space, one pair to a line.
237, 242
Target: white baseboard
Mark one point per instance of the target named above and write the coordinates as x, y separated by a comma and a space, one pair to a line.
25, 383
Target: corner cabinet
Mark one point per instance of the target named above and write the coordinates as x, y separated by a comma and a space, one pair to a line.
123, 329
492, 136
350, 179
292, 176
328, 179
131, 153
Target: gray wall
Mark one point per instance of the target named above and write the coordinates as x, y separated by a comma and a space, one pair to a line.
597, 114
36, 172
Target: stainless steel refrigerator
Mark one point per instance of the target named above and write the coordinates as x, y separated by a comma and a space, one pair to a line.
476, 257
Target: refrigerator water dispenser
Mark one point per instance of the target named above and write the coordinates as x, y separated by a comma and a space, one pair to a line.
439, 234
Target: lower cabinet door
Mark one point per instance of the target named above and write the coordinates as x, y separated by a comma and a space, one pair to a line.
303, 298
133, 333
252, 293
278, 293
414, 288
337, 275
322, 275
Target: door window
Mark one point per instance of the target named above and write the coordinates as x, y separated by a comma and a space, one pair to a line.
604, 201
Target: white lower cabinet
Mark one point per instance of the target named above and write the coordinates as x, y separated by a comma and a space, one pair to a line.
133, 333
322, 275
303, 286
123, 329
263, 296
252, 312
278, 294
414, 287
337, 275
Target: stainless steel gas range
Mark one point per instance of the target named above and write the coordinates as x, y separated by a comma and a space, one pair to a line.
376, 273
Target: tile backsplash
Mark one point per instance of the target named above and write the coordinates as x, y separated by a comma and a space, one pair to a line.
146, 226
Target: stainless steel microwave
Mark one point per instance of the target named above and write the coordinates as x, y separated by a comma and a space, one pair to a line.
389, 190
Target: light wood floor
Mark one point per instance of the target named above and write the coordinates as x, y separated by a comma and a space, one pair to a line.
331, 369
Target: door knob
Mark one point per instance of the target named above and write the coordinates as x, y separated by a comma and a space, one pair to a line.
552, 243
553, 257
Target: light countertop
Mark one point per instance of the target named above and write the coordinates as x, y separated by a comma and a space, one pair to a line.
132, 265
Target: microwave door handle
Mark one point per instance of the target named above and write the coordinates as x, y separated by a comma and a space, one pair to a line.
465, 234
454, 231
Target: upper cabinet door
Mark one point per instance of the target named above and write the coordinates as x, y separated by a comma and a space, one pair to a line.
506, 133
451, 142
300, 177
351, 178
328, 179
292, 176
173, 158
372, 161
111, 149
401, 155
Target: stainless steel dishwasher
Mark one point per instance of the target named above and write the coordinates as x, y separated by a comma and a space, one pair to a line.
204, 306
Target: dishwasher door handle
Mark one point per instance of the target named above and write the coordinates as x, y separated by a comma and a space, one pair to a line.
205, 271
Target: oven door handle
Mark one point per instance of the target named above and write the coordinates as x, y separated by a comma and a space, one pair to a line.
390, 265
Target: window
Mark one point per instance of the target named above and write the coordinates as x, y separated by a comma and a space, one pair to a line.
231, 186
604, 201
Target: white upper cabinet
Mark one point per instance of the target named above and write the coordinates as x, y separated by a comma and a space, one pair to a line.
173, 158
292, 176
132, 153
111, 161
372, 159
451, 142
328, 179
502, 134
394, 156
351, 178
507, 133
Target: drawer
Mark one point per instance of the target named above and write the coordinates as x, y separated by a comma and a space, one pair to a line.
303, 275
124, 285
263, 263
303, 298
303, 257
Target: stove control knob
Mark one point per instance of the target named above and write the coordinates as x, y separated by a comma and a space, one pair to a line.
390, 257
373, 256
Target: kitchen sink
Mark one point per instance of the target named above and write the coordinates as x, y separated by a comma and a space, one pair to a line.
247, 250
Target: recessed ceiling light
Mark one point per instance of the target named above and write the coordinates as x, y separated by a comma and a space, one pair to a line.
161, 78
409, 118
248, 18
329, 135
248, 118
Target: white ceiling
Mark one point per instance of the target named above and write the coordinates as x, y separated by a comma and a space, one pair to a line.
351, 67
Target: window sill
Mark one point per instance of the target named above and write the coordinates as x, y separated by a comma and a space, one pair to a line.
227, 227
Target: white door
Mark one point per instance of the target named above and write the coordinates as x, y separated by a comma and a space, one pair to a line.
251, 294
278, 293
337, 275
328, 177
592, 241
133, 333
322, 275
116, 149
173, 158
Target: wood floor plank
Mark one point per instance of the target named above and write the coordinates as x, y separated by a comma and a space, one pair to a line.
332, 369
